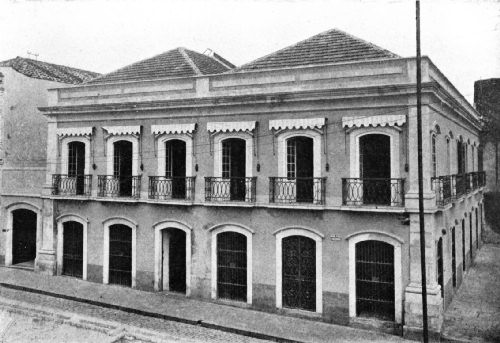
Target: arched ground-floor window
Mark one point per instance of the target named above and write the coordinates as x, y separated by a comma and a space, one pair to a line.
375, 283
72, 246
232, 263
299, 271
119, 256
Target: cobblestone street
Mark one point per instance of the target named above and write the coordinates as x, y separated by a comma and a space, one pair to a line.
28, 317
474, 313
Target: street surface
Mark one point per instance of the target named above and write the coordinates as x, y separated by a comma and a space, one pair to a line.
29, 317
474, 313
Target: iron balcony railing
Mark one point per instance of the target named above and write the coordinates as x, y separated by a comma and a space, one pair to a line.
290, 190
442, 186
451, 187
167, 188
373, 191
71, 185
119, 186
230, 189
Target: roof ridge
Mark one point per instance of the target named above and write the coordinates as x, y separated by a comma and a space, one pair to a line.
189, 61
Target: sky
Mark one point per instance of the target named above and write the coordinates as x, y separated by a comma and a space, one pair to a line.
462, 37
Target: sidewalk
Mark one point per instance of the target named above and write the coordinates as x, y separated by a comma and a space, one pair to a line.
474, 313
216, 316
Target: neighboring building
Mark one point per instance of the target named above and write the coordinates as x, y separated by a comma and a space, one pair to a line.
23, 140
487, 101
288, 184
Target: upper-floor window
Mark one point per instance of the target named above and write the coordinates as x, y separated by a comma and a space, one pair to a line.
374, 161
174, 178
122, 157
74, 176
299, 152
433, 155
448, 154
233, 162
461, 157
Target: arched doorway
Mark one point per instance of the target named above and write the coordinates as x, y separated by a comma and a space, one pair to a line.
175, 166
24, 227
232, 266
375, 168
173, 260
374, 279
122, 166
299, 272
72, 264
120, 255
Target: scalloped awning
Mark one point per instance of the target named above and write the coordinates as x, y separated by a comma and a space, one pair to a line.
74, 131
122, 130
231, 126
296, 124
173, 129
374, 121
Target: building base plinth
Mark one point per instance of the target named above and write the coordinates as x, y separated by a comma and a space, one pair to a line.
413, 310
46, 262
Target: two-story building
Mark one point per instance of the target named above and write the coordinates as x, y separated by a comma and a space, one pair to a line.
288, 184
23, 140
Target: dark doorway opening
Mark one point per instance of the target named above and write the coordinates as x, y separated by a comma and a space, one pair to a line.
120, 255
299, 272
122, 167
440, 266
24, 224
234, 167
73, 249
375, 280
76, 165
453, 258
174, 260
463, 244
175, 167
300, 166
375, 165
232, 266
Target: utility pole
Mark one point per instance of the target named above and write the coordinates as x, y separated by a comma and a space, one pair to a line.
420, 180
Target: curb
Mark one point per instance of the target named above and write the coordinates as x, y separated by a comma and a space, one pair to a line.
201, 323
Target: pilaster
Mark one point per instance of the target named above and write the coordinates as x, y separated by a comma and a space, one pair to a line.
46, 256
413, 292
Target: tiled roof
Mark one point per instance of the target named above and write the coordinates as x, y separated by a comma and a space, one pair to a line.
333, 46
48, 71
173, 63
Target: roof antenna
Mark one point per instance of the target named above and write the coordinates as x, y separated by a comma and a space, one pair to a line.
208, 52
33, 54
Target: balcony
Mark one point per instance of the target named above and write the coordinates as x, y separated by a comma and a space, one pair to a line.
173, 188
119, 186
442, 186
76, 185
230, 189
452, 187
287, 190
382, 192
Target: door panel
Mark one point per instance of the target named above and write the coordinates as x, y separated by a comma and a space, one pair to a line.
299, 272
375, 280
177, 260
375, 165
232, 266
120, 255
123, 166
73, 249
24, 224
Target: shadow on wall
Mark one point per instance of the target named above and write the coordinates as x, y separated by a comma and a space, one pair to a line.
492, 216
